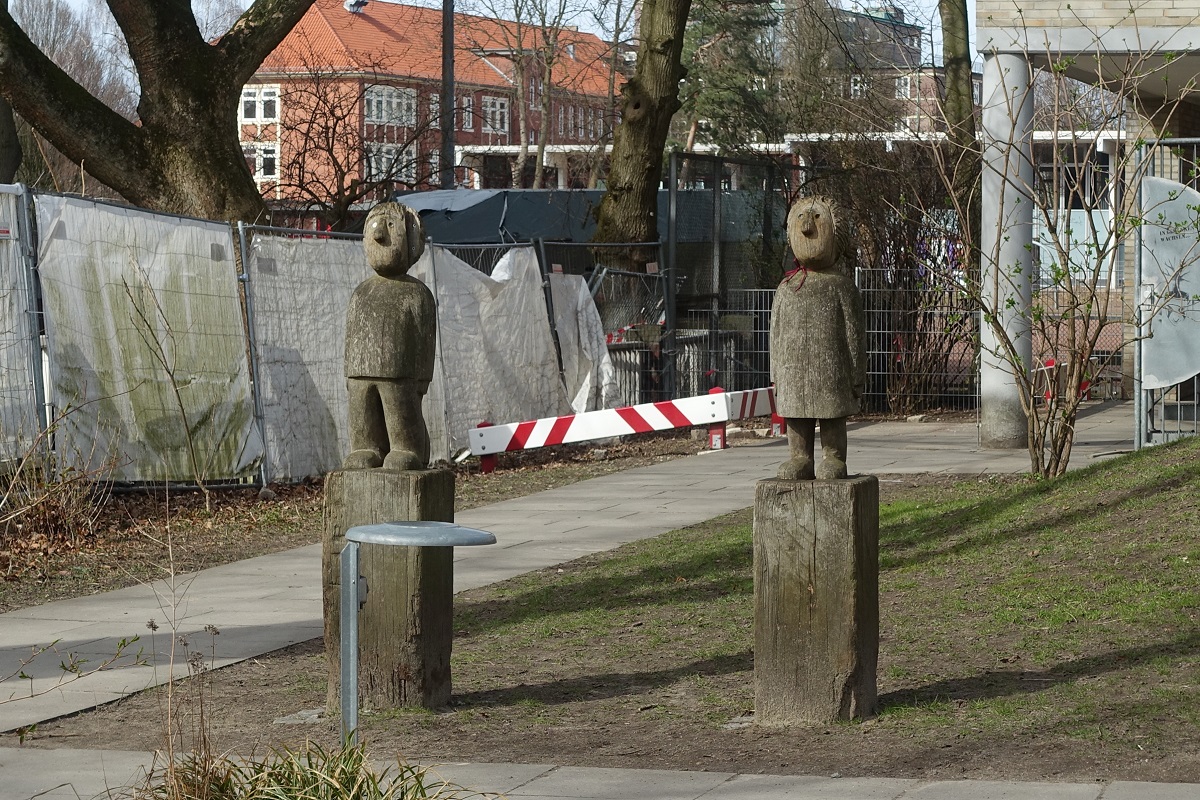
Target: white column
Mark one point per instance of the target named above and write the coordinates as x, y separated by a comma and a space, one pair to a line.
1006, 238
560, 162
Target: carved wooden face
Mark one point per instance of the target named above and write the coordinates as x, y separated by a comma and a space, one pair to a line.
393, 238
812, 233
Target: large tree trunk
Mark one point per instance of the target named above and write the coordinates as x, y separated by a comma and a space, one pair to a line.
10, 145
183, 154
648, 101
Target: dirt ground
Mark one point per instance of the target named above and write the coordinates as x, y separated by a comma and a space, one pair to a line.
652, 704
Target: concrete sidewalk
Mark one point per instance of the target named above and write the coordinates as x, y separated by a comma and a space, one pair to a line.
266, 603
77, 776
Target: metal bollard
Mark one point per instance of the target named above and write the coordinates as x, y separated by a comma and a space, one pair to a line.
422, 533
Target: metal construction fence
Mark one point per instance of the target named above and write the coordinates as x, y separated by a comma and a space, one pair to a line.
21, 390
119, 298
728, 250
179, 351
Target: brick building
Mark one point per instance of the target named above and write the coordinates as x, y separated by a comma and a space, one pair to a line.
347, 109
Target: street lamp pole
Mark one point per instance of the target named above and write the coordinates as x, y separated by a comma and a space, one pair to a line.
447, 106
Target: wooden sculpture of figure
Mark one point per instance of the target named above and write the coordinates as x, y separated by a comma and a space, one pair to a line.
391, 327
818, 352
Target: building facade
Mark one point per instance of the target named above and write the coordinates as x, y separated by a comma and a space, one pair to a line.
348, 109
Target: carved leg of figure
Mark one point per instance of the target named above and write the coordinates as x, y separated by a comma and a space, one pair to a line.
368, 435
833, 449
406, 430
799, 467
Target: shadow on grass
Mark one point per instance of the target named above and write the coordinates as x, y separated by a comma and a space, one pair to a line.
1006, 683
603, 686
719, 570
937, 533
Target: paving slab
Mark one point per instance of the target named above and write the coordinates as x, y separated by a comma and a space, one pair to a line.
799, 787
67, 774
1129, 790
997, 790
581, 783
493, 779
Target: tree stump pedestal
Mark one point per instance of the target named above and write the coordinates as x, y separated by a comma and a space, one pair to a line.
816, 600
406, 627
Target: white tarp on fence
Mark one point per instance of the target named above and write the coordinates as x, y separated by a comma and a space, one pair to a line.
1170, 282
300, 289
591, 380
18, 403
145, 343
496, 359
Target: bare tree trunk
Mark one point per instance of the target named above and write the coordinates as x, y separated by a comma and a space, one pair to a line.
518, 168
611, 112
10, 145
959, 111
182, 154
648, 101
549, 55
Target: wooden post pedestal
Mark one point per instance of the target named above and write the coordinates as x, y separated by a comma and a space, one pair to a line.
816, 600
406, 627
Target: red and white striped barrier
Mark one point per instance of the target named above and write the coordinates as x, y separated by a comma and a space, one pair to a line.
711, 409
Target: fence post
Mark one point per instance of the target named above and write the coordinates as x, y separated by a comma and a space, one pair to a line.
549, 293
441, 359
487, 463
714, 310
718, 432
670, 349
243, 275
33, 300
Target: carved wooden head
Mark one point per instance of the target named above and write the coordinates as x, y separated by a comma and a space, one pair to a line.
818, 234
394, 239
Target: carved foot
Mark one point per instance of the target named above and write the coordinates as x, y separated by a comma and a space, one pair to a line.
363, 459
402, 460
831, 469
796, 469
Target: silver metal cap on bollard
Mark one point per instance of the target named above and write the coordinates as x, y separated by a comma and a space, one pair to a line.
420, 533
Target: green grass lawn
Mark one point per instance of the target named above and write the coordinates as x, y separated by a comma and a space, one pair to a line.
1041, 610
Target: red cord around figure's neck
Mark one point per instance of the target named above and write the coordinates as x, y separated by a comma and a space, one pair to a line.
803, 270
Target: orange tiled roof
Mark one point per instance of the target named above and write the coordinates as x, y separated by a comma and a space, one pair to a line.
405, 41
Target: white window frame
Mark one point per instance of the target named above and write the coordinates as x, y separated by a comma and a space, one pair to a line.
495, 113
903, 87
381, 161
570, 120
265, 156
390, 105
435, 166
264, 99
858, 87
466, 106
435, 109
